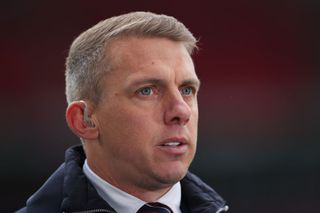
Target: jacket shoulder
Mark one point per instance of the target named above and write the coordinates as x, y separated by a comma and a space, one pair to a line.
48, 197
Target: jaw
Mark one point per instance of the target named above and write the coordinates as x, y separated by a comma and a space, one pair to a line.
172, 170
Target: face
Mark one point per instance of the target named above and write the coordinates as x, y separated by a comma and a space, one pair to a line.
148, 115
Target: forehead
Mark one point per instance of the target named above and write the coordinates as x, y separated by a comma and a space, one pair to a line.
133, 55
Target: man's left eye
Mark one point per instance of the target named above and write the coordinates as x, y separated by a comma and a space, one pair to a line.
187, 91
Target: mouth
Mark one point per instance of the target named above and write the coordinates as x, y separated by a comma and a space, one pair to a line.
174, 146
174, 142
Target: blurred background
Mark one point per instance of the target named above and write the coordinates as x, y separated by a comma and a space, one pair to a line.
259, 102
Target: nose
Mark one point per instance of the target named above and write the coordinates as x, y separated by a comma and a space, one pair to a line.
177, 111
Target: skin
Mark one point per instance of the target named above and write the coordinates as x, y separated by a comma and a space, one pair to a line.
149, 98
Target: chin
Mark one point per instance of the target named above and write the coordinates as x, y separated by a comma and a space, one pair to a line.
163, 178
172, 177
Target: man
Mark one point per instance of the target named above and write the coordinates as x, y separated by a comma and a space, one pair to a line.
132, 93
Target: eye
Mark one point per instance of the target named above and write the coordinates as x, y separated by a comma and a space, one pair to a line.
187, 91
145, 91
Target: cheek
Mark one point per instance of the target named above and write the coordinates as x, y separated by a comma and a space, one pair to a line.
125, 135
122, 124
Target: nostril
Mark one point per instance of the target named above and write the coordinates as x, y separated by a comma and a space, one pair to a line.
176, 119
179, 120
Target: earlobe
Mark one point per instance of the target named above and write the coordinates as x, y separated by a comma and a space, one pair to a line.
78, 119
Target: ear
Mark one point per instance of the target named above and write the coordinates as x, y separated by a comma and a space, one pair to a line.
78, 119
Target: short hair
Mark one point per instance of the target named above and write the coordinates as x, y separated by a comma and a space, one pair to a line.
87, 63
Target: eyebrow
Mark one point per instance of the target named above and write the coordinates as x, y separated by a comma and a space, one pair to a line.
147, 81
195, 82
157, 81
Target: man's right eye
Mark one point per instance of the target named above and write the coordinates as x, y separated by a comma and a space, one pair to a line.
145, 91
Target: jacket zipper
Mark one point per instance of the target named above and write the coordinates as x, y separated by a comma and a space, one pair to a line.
223, 209
94, 211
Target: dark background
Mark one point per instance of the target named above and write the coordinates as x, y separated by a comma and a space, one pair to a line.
259, 102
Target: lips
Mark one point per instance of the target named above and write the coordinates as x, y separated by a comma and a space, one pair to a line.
174, 146
174, 141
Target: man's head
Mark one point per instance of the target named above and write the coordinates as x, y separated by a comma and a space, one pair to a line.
135, 102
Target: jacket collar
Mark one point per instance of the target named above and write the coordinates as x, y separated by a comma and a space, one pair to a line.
78, 193
199, 197
68, 190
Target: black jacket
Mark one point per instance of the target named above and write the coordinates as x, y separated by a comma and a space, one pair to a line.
68, 190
